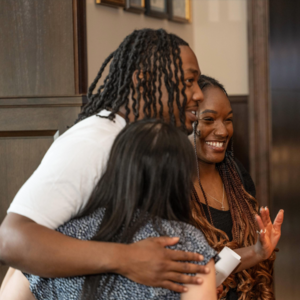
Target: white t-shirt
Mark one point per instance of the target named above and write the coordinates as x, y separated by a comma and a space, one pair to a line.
61, 185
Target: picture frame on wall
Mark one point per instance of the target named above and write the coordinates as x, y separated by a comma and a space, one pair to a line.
157, 8
111, 3
179, 10
135, 6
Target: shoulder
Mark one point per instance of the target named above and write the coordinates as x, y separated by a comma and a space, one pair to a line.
191, 238
246, 178
83, 228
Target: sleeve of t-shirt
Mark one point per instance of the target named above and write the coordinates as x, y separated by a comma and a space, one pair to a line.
63, 182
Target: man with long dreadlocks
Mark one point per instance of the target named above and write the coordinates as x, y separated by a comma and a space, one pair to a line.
152, 74
224, 206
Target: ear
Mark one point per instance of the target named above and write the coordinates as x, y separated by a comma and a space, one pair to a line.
135, 77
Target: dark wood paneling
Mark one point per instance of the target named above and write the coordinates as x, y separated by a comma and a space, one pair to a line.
37, 55
259, 97
285, 96
80, 46
28, 127
239, 106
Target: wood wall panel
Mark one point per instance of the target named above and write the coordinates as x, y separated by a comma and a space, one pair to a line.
259, 97
22, 156
239, 106
37, 48
28, 127
285, 97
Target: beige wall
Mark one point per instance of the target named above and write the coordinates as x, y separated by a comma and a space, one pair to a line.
218, 39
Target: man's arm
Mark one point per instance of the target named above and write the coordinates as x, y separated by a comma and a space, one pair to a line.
35, 249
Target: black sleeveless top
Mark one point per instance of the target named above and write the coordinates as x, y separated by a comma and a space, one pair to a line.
222, 219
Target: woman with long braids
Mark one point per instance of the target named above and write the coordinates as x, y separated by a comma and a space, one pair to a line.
224, 204
144, 192
152, 74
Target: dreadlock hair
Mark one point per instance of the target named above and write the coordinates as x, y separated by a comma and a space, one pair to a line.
152, 174
254, 283
152, 53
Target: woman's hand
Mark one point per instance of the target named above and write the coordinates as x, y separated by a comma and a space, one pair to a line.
269, 234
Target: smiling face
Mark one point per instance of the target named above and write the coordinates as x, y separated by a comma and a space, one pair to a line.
194, 95
215, 126
193, 92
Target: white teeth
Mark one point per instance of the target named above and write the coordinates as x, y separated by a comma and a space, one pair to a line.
216, 144
193, 112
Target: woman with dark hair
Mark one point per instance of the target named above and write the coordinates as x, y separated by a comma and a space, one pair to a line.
152, 74
224, 204
144, 192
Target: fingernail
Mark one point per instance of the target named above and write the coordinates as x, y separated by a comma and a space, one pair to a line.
261, 231
201, 257
199, 280
185, 289
261, 208
266, 207
206, 270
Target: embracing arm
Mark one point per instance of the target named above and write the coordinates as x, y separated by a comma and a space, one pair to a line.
38, 250
268, 238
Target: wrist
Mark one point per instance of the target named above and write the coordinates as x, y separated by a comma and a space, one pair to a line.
110, 259
258, 253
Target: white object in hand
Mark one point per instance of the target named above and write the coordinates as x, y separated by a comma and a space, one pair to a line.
229, 260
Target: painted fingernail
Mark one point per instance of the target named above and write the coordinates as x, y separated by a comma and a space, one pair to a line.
261, 231
261, 208
266, 207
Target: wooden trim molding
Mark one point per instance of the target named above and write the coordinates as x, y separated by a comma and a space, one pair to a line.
80, 46
50, 101
259, 97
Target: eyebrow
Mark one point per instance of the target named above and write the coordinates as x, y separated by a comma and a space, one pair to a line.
192, 70
213, 112
209, 111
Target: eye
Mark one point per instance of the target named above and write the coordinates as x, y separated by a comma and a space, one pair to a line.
207, 119
189, 81
229, 120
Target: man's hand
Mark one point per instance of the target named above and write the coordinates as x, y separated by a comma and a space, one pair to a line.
148, 262
269, 234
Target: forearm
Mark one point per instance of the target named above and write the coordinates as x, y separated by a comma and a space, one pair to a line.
38, 250
249, 258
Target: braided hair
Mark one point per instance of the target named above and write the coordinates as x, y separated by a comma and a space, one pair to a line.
254, 283
148, 52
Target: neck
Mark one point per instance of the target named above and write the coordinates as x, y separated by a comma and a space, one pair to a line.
207, 171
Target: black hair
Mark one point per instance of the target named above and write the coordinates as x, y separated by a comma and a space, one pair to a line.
150, 170
152, 53
206, 81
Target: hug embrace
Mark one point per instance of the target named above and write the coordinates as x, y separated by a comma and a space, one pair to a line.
125, 206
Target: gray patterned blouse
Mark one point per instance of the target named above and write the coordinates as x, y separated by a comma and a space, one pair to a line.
117, 286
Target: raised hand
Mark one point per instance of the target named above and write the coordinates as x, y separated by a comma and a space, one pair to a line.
149, 262
269, 233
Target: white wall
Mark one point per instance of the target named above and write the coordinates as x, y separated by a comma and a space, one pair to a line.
218, 39
220, 42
